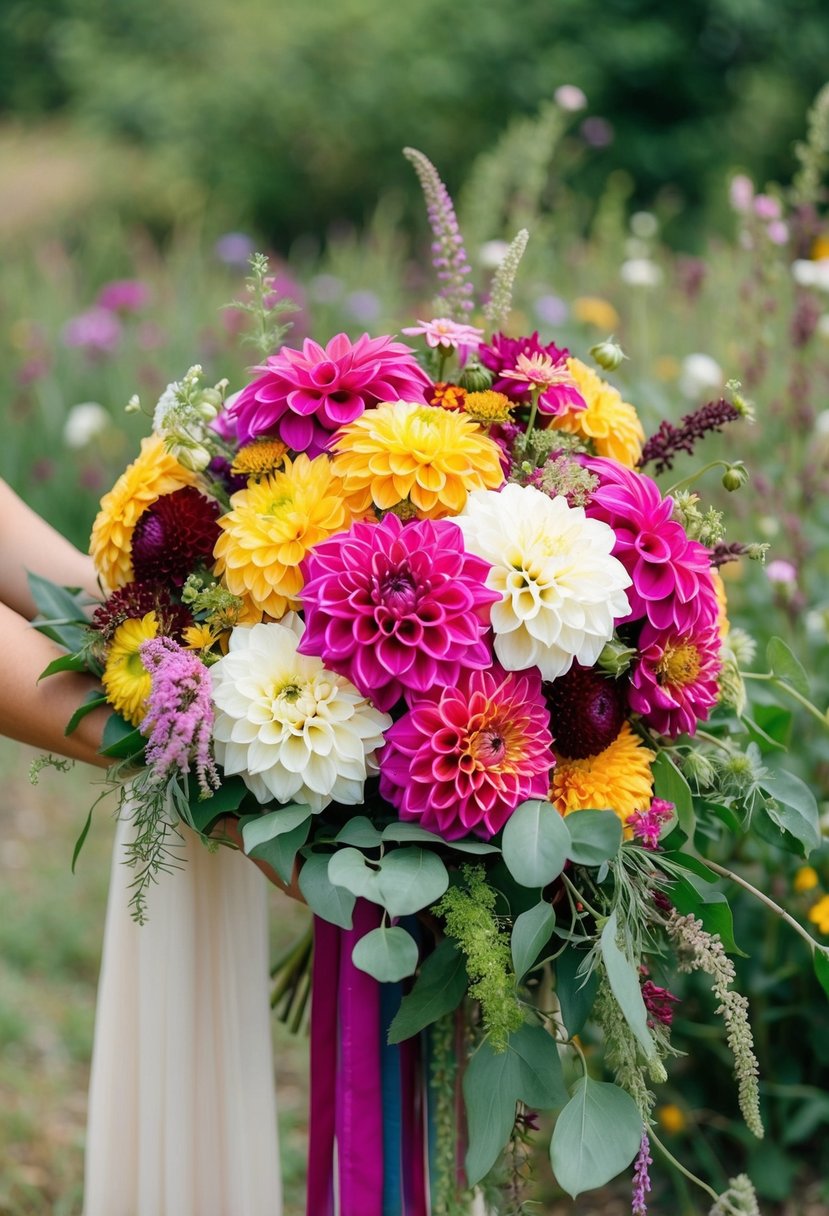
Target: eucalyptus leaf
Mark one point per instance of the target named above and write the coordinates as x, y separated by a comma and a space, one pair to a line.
405, 833
595, 836
624, 984
535, 843
331, 903
669, 783
411, 879
263, 828
280, 851
348, 868
475, 847
531, 931
438, 990
787, 666
575, 990
596, 1136
361, 832
490, 1088
540, 1079
387, 954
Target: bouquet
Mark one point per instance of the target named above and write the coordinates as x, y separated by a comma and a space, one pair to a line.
421, 620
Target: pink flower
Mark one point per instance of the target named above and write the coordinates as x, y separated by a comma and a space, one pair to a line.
303, 396
659, 1003
647, 825
504, 356
124, 295
97, 331
397, 608
778, 232
767, 208
741, 193
558, 388
179, 720
671, 574
673, 681
463, 758
446, 333
781, 572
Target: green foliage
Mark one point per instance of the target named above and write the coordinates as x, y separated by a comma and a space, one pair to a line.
387, 954
596, 1136
439, 989
536, 843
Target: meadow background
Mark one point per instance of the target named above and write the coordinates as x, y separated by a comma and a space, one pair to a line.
161, 143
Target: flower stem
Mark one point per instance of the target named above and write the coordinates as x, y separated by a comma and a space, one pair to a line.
580, 899
652, 1136
765, 899
771, 678
536, 393
692, 477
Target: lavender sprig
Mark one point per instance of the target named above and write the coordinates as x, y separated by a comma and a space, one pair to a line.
641, 1178
448, 253
179, 719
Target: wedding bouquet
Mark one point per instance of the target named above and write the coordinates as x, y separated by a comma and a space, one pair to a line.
424, 624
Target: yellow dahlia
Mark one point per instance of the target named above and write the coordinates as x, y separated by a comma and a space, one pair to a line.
611, 423
431, 456
488, 407
617, 779
722, 604
259, 458
271, 526
126, 680
154, 473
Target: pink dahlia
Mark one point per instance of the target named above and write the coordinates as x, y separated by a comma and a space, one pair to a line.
527, 356
303, 396
464, 757
673, 680
397, 608
672, 583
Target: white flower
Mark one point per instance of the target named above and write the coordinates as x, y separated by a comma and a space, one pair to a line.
166, 408
83, 423
644, 224
492, 253
570, 97
293, 731
811, 274
699, 375
823, 325
640, 272
561, 588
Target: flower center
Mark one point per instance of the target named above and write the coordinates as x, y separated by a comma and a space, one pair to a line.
398, 591
679, 665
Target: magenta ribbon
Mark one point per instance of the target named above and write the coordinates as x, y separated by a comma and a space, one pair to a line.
326, 966
414, 1132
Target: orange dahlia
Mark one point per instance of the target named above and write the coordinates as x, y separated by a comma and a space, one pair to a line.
618, 778
610, 423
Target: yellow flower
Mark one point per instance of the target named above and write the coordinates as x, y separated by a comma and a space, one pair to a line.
617, 779
200, 637
722, 604
805, 879
488, 407
672, 1118
126, 681
429, 455
667, 367
593, 310
820, 248
611, 423
154, 473
259, 458
271, 526
819, 914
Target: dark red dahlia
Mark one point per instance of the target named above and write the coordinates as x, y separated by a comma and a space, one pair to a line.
135, 600
502, 354
587, 710
174, 535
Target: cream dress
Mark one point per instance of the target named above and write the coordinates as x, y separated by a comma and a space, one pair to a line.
182, 1113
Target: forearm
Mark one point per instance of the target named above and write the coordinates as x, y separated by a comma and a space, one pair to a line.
37, 713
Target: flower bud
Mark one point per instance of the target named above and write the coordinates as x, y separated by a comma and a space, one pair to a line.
196, 458
616, 658
697, 768
133, 406
475, 378
735, 475
609, 355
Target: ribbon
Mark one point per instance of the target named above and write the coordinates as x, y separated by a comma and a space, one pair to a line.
326, 965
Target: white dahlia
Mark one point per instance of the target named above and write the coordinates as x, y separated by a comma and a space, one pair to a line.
293, 731
561, 589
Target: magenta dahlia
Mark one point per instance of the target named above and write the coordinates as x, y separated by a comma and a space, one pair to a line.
304, 396
673, 680
397, 608
672, 583
463, 758
174, 535
502, 357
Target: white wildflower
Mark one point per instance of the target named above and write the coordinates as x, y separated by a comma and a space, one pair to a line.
83, 423
700, 376
640, 272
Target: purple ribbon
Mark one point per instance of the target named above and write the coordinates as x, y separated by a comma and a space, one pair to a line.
414, 1142
326, 966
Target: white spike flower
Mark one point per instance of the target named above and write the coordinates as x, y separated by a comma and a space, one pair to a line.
293, 731
561, 588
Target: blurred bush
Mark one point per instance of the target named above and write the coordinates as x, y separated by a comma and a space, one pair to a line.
291, 115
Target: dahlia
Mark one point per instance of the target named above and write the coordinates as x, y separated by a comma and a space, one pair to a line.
587, 709
397, 609
464, 757
502, 354
259, 458
136, 600
611, 424
292, 730
271, 526
671, 574
126, 681
153, 473
673, 680
561, 590
552, 380
618, 778
302, 397
403, 450
446, 333
174, 535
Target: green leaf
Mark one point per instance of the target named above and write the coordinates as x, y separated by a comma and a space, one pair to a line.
388, 955
691, 897
624, 983
60, 613
490, 1086
361, 832
79, 843
262, 828
821, 962
334, 904
280, 851
787, 666
66, 662
405, 833
411, 879
476, 847
121, 740
540, 1082
596, 1136
224, 801
669, 783
348, 868
596, 836
575, 993
530, 934
536, 843
437, 991
93, 700
771, 723
796, 810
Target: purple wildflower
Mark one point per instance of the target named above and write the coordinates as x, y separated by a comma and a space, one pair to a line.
646, 825
669, 440
179, 719
641, 1178
448, 254
124, 295
97, 331
659, 1003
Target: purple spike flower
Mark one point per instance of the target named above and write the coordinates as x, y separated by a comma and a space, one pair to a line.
641, 1178
448, 254
179, 719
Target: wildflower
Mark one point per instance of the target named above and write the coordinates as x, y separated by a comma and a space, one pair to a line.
178, 722
501, 354
551, 309
659, 1002
647, 825
781, 572
292, 730
668, 441
595, 311
499, 305
447, 396
741, 193
448, 253
805, 879
640, 272
554, 382
766, 207
84, 423
234, 249
124, 295
819, 915
618, 778
570, 97
126, 681
560, 589
466, 755
641, 1178
699, 376
446, 333
597, 132
739, 1200
97, 331
672, 1118
488, 407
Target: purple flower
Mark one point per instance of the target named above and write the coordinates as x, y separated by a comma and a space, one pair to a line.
659, 1002
234, 248
124, 295
641, 1178
647, 825
597, 132
448, 254
179, 719
97, 331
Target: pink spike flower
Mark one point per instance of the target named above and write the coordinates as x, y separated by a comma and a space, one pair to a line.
397, 608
